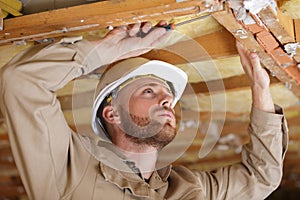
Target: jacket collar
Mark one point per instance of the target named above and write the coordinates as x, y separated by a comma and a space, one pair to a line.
112, 165
133, 182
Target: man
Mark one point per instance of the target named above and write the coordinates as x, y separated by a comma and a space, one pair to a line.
133, 113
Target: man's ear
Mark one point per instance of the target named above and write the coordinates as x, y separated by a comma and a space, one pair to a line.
110, 116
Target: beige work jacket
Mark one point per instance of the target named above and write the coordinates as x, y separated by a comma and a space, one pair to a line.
56, 163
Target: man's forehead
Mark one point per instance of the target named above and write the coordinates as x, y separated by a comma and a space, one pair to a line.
147, 81
142, 82
130, 86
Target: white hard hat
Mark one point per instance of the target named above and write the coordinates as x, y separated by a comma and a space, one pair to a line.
114, 76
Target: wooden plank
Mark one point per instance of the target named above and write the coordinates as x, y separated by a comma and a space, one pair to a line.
1, 20
297, 29
3, 137
246, 38
10, 180
11, 6
3, 14
95, 16
290, 8
11, 186
287, 23
217, 44
273, 23
297, 38
9, 192
6, 159
231, 83
210, 46
84, 99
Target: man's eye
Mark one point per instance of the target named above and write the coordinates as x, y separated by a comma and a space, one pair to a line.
148, 91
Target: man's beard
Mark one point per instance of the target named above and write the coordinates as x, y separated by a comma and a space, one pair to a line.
144, 131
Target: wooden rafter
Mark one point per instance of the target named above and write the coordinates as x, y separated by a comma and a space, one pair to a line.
1, 20
217, 45
95, 16
290, 75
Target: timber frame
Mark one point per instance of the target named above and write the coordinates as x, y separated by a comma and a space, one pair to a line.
267, 37
100, 15
95, 16
218, 44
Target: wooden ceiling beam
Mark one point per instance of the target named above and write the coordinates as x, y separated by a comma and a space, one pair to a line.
297, 29
226, 84
12, 192
95, 16
84, 99
271, 59
218, 44
233, 122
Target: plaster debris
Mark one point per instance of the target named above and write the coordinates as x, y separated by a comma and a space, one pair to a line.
110, 27
20, 42
248, 20
236, 4
253, 6
291, 48
242, 9
241, 33
241, 14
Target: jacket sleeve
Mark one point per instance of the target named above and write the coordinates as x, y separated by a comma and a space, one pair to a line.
260, 171
39, 135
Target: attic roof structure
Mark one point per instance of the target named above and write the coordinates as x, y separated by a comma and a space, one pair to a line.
217, 101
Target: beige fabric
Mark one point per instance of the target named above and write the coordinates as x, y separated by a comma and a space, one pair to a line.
56, 163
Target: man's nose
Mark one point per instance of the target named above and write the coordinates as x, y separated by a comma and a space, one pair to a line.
166, 100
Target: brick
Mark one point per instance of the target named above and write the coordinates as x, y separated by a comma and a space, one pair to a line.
255, 28
294, 72
281, 58
266, 40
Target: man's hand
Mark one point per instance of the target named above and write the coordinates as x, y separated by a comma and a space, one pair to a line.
124, 42
258, 78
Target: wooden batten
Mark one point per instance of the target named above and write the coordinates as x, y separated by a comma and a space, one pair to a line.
95, 16
297, 29
281, 27
218, 44
287, 22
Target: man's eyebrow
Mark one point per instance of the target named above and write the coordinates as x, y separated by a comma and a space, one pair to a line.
154, 84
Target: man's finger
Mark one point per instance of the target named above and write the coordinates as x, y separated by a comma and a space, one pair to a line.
162, 23
255, 61
146, 27
161, 40
134, 29
117, 33
153, 36
244, 57
241, 50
